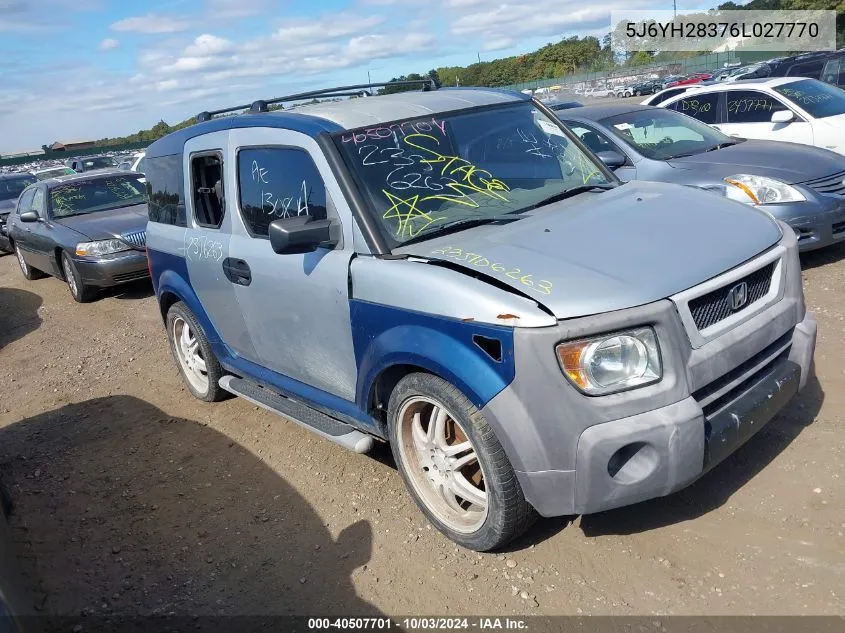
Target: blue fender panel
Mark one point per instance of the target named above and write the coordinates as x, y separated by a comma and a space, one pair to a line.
384, 336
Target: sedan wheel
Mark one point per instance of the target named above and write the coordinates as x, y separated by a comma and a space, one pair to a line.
80, 292
28, 271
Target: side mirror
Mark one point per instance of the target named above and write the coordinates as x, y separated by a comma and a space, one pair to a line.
783, 116
29, 216
301, 234
611, 158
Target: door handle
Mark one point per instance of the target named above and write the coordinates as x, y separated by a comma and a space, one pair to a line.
237, 271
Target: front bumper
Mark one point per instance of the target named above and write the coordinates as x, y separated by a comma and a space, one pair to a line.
817, 222
655, 453
113, 270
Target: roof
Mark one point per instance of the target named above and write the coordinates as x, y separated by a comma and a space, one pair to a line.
15, 175
355, 113
336, 116
768, 82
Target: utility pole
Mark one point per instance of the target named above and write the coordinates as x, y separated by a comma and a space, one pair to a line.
369, 81
479, 57
675, 7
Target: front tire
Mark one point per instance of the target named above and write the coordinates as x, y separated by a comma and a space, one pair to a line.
27, 271
197, 363
454, 466
80, 292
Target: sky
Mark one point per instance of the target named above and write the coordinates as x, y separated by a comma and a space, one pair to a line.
89, 69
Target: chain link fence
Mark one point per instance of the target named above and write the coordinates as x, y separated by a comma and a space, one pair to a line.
630, 74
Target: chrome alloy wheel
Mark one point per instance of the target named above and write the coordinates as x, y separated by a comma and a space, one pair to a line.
188, 352
69, 276
442, 464
23, 264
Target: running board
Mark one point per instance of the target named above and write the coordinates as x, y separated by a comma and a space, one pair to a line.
306, 417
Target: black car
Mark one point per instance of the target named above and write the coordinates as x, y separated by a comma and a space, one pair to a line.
647, 88
87, 229
11, 186
563, 105
828, 67
90, 163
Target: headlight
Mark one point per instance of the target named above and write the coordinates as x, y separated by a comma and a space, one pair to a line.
612, 362
101, 247
760, 190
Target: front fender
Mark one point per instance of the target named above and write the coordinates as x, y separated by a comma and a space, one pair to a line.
385, 337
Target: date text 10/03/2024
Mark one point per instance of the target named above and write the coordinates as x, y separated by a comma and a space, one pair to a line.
419, 624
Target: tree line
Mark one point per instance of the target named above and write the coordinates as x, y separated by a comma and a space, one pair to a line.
569, 56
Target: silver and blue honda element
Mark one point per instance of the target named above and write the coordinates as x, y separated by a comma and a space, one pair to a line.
453, 272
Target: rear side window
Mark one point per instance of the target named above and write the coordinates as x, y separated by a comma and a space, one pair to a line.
704, 107
165, 190
207, 182
813, 69
751, 106
275, 183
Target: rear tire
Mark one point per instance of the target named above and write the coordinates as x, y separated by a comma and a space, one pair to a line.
454, 466
197, 363
80, 292
27, 271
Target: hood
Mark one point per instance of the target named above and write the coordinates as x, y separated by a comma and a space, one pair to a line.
104, 225
598, 252
789, 162
7, 206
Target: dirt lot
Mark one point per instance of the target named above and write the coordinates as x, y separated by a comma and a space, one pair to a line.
131, 497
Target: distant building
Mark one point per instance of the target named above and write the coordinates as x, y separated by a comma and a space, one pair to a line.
71, 146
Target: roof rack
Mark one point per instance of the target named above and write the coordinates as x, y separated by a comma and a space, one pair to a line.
360, 90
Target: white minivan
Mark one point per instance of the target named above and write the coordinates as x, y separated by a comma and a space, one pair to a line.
792, 109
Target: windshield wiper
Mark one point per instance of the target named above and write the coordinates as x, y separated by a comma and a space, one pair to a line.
573, 191
721, 145
460, 225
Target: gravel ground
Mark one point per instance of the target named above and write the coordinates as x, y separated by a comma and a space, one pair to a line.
131, 497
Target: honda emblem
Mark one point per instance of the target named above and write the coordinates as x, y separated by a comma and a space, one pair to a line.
738, 296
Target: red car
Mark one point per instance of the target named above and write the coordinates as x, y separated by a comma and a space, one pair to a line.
691, 79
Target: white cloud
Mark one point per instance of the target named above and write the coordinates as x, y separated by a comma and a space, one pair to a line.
498, 44
108, 44
233, 9
327, 27
209, 45
152, 23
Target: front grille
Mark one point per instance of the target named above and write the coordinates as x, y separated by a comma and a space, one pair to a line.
838, 227
833, 185
715, 306
138, 274
137, 239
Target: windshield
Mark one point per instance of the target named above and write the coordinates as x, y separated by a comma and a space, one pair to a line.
100, 194
817, 98
423, 174
11, 188
98, 162
664, 134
